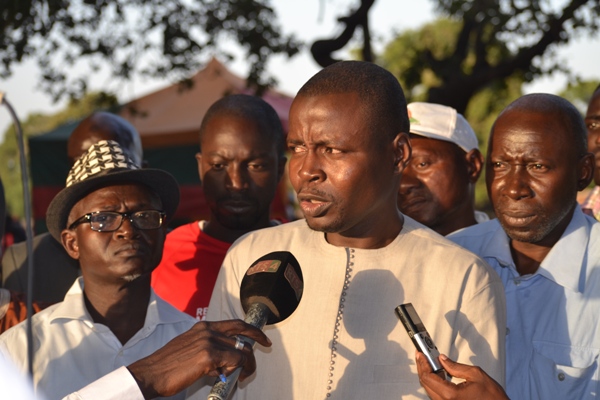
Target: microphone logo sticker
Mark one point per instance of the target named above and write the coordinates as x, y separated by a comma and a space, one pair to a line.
264, 266
295, 282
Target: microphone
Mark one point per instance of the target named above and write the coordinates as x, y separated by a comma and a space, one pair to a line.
270, 292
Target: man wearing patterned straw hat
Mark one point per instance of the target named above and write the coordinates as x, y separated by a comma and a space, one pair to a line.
105, 340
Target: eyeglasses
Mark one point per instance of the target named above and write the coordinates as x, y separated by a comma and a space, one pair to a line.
110, 221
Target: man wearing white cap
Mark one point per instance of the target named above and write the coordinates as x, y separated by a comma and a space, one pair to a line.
438, 186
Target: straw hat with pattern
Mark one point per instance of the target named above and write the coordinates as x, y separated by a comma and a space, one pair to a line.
104, 164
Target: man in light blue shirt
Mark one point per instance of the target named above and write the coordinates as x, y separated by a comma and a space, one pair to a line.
545, 249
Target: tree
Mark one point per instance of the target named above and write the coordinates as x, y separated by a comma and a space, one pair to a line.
35, 124
496, 39
322, 49
171, 38
154, 38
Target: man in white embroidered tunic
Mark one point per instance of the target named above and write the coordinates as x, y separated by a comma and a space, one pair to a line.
360, 257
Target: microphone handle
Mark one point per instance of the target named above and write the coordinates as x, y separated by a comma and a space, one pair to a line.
257, 316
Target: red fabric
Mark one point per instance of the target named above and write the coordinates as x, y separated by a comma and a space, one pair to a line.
188, 270
41, 198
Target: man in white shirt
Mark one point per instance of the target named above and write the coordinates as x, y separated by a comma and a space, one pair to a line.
112, 337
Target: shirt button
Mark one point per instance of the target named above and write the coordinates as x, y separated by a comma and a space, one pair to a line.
517, 282
561, 376
507, 330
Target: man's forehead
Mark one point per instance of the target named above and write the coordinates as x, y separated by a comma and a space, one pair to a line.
534, 123
225, 129
338, 109
326, 102
531, 140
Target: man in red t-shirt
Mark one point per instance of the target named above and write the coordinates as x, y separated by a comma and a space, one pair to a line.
240, 163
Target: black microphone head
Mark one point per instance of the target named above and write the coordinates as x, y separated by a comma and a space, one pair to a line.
274, 280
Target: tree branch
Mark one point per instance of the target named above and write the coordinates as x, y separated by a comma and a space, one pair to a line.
322, 49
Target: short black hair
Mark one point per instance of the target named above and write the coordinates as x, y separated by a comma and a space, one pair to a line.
379, 91
554, 105
252, 108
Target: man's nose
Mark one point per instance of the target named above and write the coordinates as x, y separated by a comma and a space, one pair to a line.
237, 178
310, 168
517, 185
127, 228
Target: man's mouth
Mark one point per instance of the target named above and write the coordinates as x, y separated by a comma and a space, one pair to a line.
518, 218
313, 206
236, 206
408, 203
131, 250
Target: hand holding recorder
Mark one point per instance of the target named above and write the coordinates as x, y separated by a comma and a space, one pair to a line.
420, 337
477, 385
435, 370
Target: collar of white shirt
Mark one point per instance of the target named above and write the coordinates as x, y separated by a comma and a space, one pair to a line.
73, 308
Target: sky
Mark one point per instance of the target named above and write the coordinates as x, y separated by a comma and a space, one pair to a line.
309, 20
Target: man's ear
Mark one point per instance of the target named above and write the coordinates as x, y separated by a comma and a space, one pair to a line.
474, 160
69, 242
585, 170
402, 151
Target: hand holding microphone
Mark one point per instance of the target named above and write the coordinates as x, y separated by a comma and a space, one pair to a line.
270, 292
204, 349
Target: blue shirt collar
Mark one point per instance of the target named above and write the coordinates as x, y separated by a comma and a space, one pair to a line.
498, 246
564, 264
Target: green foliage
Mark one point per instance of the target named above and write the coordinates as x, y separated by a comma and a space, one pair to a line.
580, 93
153, 38
35, 124
403, 56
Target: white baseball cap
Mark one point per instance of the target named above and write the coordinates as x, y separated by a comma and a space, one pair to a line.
440, 122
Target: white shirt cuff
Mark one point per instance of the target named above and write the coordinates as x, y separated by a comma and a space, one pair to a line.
118, 385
